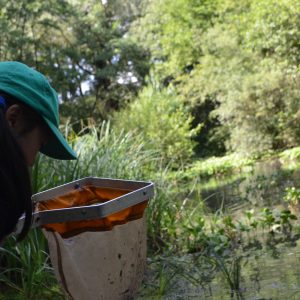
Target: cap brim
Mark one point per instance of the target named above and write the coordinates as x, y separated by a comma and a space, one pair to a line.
57, 147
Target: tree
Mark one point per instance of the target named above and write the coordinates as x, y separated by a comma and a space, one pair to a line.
80, 45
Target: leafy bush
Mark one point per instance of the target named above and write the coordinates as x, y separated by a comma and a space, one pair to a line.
164, 122
215, 166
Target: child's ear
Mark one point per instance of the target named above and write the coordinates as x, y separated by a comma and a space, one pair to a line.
13, 116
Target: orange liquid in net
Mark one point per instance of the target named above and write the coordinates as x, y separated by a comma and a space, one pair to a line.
90, 195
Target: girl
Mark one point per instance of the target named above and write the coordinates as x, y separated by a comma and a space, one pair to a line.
29, 123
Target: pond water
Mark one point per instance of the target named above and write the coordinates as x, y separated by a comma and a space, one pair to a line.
262, 277
270, 274
258, 186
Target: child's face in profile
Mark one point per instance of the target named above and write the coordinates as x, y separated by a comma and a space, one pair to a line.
30, 141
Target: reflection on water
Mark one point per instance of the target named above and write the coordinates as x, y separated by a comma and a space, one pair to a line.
260, 186
266, 277
262, 277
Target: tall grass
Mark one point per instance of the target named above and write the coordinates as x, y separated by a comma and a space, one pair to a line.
101, 152
25, 267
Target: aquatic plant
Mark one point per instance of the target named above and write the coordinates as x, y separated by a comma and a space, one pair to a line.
292, 195
231, 271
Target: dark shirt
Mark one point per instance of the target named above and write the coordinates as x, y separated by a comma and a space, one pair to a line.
8, 218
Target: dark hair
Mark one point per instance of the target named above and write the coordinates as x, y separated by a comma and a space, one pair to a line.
15, 184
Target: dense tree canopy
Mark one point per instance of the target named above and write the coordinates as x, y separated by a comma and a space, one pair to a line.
233, 66
81, 45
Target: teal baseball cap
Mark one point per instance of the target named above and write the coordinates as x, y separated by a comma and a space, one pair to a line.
32, 88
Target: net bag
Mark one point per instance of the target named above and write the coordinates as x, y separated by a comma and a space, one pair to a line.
100, 258
100, 265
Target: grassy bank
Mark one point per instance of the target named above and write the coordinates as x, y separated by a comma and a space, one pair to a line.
236, 163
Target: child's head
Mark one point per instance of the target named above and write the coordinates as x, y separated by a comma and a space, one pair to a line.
27, 126
27, 87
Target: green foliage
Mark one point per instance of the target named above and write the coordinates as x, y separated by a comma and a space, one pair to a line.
172, 30
80, 45
163, 121
258, 102
231, 272
229, 67
218, 166
235, 66
25, 267
216, 243
242, 58
99, 48
210, 141
271, 28
101, 152
291, 154
292, 195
